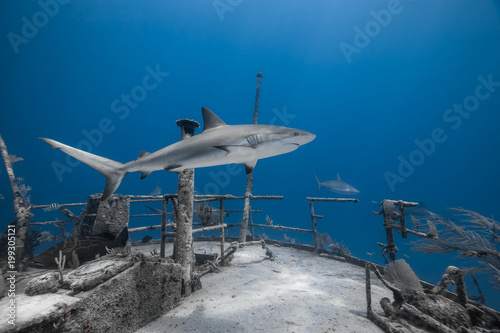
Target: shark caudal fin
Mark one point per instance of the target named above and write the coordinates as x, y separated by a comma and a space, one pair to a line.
319, 183
112, 170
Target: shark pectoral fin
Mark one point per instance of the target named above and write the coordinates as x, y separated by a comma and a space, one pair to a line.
145, 174
249, 166
52, 143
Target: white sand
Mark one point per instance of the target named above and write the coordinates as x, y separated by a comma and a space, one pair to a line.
35, 309
299, 292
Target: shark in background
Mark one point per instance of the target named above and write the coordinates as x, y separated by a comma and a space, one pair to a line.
156, 190
218, 144
337, 186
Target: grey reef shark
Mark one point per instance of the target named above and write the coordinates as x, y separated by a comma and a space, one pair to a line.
337, 186
218, 144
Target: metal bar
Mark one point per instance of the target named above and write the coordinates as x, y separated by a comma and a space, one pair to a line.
279, 227
66, 205
214, 227
147, 197
149, 215
47, 222
232, 197
146, 200
332, 199
151, 227
241, 211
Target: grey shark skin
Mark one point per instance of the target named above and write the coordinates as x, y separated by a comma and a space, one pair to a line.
337, 186
218, 144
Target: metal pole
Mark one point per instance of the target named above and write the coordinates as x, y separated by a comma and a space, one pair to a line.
314, 224
183, 241
246, 206
221, 212
163, 228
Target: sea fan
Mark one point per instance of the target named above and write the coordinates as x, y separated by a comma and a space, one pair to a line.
476, 237
400, 274
324, 240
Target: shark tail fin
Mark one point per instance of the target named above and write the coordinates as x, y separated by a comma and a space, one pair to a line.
319, 183
112, 170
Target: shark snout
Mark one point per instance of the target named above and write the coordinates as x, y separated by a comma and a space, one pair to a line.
305, 137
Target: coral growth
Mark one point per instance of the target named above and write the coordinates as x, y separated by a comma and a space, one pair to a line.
474, 237
400, 274
340, 249
206, 214
324, 241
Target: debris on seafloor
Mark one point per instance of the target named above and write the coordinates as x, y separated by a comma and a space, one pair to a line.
416, 309
93, 232
214, 265
85, 247
87, 292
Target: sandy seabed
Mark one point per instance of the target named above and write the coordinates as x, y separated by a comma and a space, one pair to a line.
298, 292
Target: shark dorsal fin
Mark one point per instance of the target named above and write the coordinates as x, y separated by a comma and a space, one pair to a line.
210, 120
142, 154
338, 177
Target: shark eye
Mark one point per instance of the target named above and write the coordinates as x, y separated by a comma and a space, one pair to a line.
295, 133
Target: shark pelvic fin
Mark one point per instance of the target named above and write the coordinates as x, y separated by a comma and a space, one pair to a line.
210, 119
145, 174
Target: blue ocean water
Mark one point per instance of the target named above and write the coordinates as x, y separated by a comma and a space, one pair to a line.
404, 97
